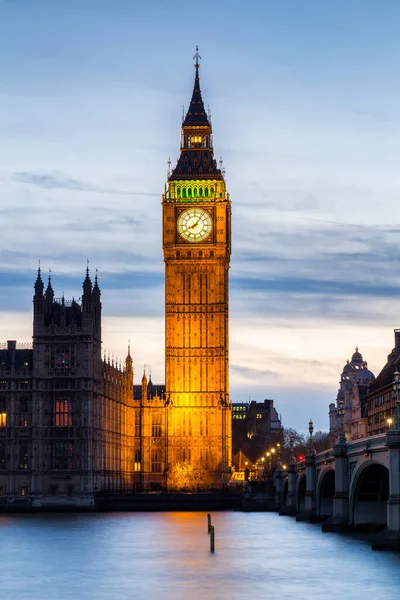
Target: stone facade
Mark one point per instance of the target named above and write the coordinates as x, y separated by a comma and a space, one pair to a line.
381, 397
66, 424
354, 383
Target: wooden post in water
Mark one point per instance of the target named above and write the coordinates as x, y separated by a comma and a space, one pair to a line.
208, 522
212, 539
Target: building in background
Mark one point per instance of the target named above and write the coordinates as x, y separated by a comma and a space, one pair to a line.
66, 415
256, 427
381, 397
354, 384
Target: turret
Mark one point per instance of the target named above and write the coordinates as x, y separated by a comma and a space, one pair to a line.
144, 386
49, 295
38, 298
87, 293
129, 368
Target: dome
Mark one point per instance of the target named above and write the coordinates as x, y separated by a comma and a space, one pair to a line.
356, 371
357, 357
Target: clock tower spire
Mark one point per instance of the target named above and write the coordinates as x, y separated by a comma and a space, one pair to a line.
196, 244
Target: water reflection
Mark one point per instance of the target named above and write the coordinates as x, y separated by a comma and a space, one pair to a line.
166, 556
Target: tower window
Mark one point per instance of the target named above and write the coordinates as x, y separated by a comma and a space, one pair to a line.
156, 461
156, 424
201, 191
183, 192
206, 192
23, 457
195, 193
178, 192
63, 413
137, 462
63, 455
189, 192
62, 360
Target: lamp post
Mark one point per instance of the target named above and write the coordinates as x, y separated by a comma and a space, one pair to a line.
396, 389
269, 460
311, 431
291, 445
342, 436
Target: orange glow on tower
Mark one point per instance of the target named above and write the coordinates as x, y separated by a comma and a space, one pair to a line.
197, 246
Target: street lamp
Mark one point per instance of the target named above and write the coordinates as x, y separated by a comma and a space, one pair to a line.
389, 422
396, 389
311, 431
342, 436
291, 445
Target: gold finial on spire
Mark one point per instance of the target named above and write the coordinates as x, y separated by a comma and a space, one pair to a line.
196, 58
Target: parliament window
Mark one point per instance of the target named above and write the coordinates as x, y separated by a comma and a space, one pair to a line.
63, 413
156, 461
137, 463
24, 412
23, 457
137, 423
23, 490
156, 424
63, 456
62, 360
3, 456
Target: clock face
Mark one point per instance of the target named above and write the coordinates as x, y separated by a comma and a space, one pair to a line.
194, 225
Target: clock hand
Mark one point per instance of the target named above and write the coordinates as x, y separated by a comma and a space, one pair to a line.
195, 224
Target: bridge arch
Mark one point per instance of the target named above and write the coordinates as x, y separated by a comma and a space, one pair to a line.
301, 489
369, 494
325, 492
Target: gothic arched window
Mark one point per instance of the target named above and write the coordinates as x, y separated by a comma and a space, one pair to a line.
189, 192
195, 193
62, 360
201, 192
178, 192
183, 192
206, 192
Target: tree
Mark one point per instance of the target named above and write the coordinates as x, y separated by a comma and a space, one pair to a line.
301, 443
187, 477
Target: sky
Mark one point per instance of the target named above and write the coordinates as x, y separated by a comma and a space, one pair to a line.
305, 107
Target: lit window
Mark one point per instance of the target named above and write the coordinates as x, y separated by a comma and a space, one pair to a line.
23, 490
259, 416
136, 464
3, 419
63, 413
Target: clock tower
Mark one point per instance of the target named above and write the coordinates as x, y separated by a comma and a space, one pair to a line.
197, 247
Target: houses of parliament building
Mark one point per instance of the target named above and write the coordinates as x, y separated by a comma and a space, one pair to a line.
73, 423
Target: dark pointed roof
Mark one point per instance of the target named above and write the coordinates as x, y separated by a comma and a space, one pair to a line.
196, 114
39, 287
87, 283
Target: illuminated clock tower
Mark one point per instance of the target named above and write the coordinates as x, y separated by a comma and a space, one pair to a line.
197, 247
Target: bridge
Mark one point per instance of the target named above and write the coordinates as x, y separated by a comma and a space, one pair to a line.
352, 486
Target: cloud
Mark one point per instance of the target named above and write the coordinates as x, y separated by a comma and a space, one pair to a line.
56, 180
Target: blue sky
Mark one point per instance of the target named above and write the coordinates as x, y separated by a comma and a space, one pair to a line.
306, 114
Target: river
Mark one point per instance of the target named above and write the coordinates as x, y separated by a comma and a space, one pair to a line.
149, 556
